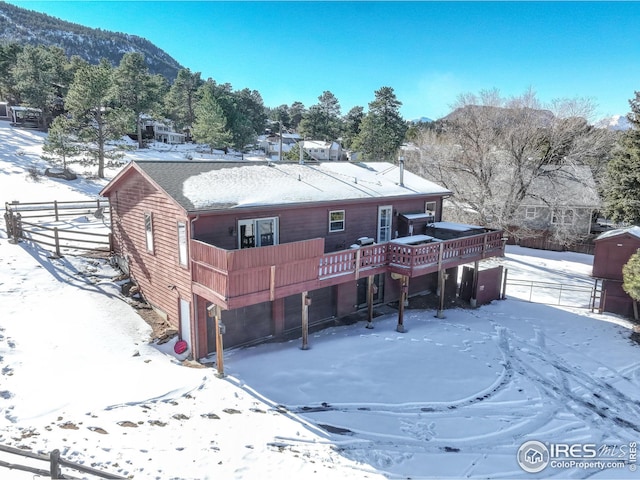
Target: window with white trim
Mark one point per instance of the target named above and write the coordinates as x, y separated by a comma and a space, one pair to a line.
148, 228
430, 208
182, 243
258, 232
336, 221
530, 212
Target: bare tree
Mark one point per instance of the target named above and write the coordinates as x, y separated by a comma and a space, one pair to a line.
490, 150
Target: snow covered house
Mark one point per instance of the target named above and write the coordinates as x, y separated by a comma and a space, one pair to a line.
273, 144
256, 250
161, 132
323, 151
612, 250
26, 117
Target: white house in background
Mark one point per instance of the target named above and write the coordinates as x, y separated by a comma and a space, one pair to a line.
26, 117
270, 143
323, 151
161, 131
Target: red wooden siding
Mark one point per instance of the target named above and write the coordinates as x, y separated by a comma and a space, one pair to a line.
160, 277
612, 253
297, 223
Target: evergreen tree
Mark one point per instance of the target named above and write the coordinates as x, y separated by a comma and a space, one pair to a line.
622, 181
60, 142
296, 112
8, 60
281, 114
136, 89
210, 126
37, 75
322, 121
382, 130
95, 120
631, 277
352, 122
180, 101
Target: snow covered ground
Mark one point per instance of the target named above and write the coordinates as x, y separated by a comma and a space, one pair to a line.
450, 398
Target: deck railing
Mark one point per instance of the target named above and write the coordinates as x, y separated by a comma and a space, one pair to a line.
247, 276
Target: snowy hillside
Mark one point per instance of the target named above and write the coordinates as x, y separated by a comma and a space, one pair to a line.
615, 122
450, 398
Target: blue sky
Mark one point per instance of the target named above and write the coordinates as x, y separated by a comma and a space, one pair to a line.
428, 52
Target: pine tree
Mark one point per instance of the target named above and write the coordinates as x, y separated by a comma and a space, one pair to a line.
352, 123
181, 99
322, 121
36, 73
136, 89
96, 121
60, 142
383, 128
622, 182
210, 126
631, 280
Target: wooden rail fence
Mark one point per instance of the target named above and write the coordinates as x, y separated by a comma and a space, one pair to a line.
55, 461
47, 223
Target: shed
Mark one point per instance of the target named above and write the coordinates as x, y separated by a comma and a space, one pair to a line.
612, 250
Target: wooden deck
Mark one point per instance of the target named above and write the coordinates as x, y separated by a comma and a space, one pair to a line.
237, 278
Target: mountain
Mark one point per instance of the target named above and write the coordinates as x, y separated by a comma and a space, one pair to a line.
422, 120
614, 122
26, 27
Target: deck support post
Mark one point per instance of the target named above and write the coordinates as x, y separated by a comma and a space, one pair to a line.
474, 284
370, 292
219, 345
442, 278
306, 300
404, 293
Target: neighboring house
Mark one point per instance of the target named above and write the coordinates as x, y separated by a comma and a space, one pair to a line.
323, 151
26, 117
161, 132
275, 247
612, 251
560, 204
272, 145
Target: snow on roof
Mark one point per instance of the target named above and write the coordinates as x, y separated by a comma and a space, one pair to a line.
252, 184
635, 231
458, 227
567, 185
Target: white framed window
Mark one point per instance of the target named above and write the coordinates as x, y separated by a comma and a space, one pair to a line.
385, 219
182, 244
258, 232
430, 208
530, 212
336, 221
148, 229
